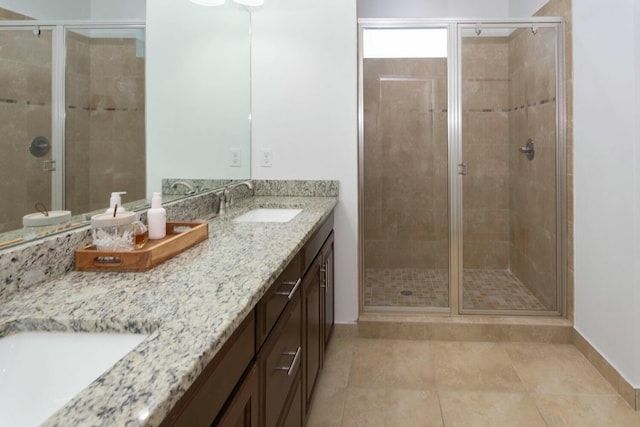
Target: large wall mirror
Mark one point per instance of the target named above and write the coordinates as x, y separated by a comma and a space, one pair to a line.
116, 95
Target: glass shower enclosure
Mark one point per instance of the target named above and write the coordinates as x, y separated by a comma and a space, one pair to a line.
462, 167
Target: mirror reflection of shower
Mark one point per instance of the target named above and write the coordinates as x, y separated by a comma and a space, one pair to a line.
100, 145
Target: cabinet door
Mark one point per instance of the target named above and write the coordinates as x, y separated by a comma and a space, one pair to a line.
328, 288
294, 415
243, 409
312, 328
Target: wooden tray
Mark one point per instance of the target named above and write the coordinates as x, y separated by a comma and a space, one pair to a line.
152, 254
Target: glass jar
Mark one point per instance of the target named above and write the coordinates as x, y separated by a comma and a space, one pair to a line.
122, 232
42, 223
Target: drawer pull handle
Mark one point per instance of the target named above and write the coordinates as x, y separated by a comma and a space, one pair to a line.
324, 276
289, 295
291, 368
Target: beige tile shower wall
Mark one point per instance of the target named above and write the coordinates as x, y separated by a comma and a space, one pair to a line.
78, 134
117, 145
562, 8
533, 183
25, 112
405, 163
485, 132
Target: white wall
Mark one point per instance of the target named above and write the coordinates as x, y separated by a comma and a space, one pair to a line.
448, 9
78, 9
432, 8
50, 10
198, 91
522, 8
607, 181
304, 108
118, 9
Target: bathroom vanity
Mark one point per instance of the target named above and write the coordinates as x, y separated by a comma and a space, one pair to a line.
265, 374
236, 325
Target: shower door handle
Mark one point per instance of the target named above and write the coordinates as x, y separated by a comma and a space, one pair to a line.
462, 169
49, 165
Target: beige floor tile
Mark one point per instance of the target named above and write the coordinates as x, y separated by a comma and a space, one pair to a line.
327, 407
337, 362
586, 411
391, 408
392, 363
473, 409
473, 366
556, 368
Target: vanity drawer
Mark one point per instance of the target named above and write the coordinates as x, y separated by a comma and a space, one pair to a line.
280, 363
273, 303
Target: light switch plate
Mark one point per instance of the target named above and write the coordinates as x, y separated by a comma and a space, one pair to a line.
266, 157
236, 158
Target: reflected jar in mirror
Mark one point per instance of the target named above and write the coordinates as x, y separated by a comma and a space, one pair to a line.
122, 232
39, 224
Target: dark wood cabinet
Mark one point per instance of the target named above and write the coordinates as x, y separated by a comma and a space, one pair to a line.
274, 301
205, 399
242, 411
328, 288
266, 373
295, 413
313, 337
280, 361
318, 315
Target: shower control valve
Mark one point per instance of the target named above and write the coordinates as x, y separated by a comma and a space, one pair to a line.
528, 150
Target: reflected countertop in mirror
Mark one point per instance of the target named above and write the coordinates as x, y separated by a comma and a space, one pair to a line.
171, 192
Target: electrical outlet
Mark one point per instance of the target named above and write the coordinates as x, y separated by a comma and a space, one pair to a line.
236, 158
266, 157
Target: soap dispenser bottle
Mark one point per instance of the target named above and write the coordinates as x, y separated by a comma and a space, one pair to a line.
157, 218
116, 200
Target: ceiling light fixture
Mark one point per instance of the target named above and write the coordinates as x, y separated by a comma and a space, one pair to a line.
208, 2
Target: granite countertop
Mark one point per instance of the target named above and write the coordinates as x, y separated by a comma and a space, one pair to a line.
188, 305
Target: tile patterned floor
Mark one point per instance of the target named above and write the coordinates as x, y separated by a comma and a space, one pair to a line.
370, 382
414, 287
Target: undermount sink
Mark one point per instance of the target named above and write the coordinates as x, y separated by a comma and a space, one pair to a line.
41, 371
268, 215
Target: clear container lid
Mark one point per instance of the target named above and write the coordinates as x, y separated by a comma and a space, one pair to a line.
108, 220
38, 219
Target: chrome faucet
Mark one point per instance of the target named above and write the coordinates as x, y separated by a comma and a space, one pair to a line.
223, 197
248, 184
190, 189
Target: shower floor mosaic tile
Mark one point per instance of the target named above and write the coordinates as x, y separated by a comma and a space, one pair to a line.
414, 287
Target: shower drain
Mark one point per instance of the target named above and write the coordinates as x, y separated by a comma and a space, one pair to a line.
406, 293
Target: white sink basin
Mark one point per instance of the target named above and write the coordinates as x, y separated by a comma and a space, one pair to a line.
41, 371
268, 215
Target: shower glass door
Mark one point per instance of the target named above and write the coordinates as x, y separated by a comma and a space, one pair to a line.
510, 181
403, 159
25, 122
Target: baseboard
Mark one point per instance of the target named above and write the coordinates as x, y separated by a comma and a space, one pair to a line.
345, 330
617, 381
